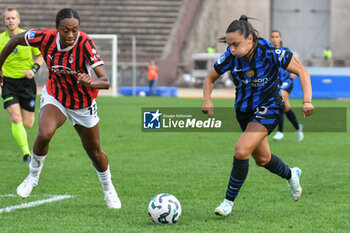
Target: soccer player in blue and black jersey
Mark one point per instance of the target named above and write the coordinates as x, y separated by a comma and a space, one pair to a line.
254, 64
286, 86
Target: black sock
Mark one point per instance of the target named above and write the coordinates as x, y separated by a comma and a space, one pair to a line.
238, 174
291, 116
280, 123
278, 167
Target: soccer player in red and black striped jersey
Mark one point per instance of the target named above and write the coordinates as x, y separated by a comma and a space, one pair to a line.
70, 55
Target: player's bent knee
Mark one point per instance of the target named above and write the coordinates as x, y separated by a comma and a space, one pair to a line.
16, 119
45, 136
261, 162
96, 154
241, 153
28, 124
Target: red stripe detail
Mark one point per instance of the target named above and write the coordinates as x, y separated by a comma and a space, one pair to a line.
55, 79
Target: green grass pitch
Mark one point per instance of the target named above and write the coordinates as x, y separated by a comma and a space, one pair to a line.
192, 166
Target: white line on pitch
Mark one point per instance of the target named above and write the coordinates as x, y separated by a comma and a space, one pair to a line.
8, 195
35, 203
15, 195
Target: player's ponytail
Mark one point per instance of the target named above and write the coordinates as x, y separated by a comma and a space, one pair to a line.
244, 18
243, 26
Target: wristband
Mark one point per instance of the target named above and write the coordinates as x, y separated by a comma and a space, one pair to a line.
35, 68
309, 102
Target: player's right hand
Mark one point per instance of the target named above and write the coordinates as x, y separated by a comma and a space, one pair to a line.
207, 107
84, 79
29, 74
307, 109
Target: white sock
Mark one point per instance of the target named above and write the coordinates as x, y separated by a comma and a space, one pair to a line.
36, 164
105, 179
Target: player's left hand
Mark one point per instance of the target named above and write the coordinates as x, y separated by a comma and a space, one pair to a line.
84, 79
307, 109
29, 74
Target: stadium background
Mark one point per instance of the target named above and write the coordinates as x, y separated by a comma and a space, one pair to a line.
172, 31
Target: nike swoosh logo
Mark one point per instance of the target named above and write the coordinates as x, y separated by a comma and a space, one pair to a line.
260, 117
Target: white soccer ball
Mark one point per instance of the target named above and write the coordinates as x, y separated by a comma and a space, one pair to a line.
164, 209
142, 93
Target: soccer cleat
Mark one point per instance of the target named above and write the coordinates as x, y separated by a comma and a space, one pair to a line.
293, 182
26, 158
112, 199
225, 208
26, 187
278, 136
300, 133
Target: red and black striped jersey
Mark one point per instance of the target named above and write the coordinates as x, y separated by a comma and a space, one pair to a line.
64, 65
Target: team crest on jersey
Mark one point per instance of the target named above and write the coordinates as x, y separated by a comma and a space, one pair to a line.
71, 59
31, 35
250, 73
94, 51
221, 59
277, 51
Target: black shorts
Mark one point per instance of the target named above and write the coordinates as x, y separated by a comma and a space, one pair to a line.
267, 116
21, 91
287, 86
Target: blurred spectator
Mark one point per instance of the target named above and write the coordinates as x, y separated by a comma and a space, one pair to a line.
211, 49
327, 56
152, 74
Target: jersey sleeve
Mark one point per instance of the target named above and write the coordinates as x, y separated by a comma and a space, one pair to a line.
36, 51
91, 53
34, 38
281, 57
224, 63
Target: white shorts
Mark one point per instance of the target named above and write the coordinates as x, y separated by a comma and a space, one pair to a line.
86, 117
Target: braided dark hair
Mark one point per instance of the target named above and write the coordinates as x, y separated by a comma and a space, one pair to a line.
66, 13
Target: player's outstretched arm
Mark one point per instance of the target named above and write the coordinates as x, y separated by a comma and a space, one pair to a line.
100, 83
207, 89
296, 67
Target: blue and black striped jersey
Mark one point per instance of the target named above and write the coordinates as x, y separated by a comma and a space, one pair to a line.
257, 80
284, 75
